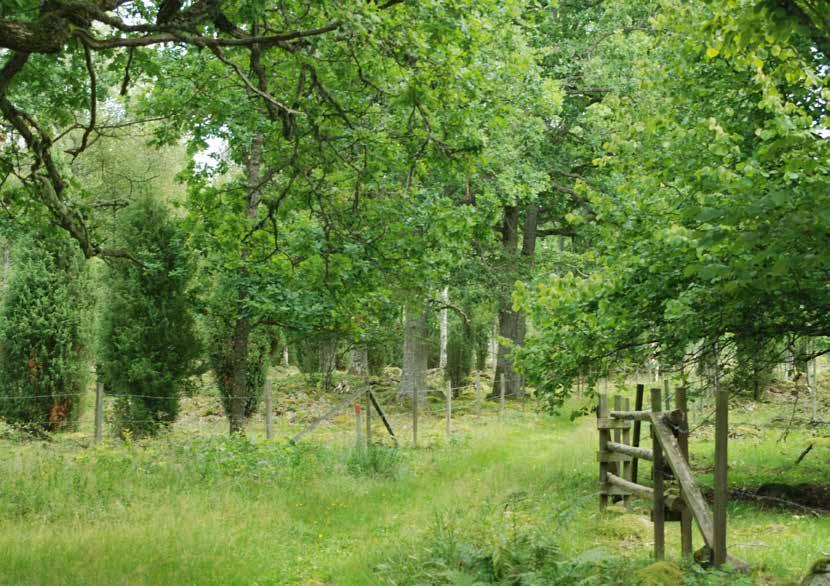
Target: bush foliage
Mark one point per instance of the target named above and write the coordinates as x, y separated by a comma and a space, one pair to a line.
148, 342
43, 365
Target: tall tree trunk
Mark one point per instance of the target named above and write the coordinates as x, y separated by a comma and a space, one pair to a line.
493, 345
360, 361
445, 328
242, 327
415, 350
512, 323
327, 361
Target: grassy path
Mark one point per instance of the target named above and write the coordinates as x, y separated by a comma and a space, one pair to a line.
188, 511
321, 526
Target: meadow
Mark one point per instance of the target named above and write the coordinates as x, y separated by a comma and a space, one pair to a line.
509, 500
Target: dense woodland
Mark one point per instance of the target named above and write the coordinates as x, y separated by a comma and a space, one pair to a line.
544, 196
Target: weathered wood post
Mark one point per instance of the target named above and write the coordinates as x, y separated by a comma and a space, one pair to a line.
358, 426
415, 418
602, 414
813, 368
368, 420
666, 395
478, 395
449, 409
501, 397
616, 467
658, 509
635, 441
721, 467
626, 466
269, 411
99, 411
681, 404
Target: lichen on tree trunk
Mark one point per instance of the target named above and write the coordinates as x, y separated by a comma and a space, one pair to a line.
415, 349
512, 323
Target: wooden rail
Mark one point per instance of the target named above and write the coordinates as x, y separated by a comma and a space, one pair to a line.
673, 502
618, 456
640, 453
631, 415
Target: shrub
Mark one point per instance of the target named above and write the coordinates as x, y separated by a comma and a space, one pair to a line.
148, 342
43, 364
374, 461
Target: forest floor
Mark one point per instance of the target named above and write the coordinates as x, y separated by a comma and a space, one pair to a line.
504, 500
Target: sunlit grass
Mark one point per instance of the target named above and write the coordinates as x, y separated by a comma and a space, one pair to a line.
185, 508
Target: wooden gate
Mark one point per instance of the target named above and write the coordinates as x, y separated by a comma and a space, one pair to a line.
620, 452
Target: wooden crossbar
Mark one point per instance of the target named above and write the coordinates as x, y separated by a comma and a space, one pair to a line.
609, 423
328, 415
631, 415
641, 453
673, 502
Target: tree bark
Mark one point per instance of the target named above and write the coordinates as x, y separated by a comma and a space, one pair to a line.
327, 361
512, 323
242, 327
445, 328
493, 345
415, 350
360, 361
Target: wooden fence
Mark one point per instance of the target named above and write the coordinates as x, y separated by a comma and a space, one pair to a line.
620, 452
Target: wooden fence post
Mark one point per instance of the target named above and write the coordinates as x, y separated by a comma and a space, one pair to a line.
99, 411
626, 466
269, 411
813, 368
635, 441
602, 413
358, 426
681, 403
658, 509
617, 467
449, 409
721, 467
415, 418
501, 397
368, 421
478, 395
667, 395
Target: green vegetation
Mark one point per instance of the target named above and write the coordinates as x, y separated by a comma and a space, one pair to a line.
204, 201
510, 502
148, 343
43, 366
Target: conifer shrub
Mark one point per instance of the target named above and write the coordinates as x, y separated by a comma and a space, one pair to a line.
148, 343
44, 366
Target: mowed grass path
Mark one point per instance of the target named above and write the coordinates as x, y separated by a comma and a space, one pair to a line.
210, 513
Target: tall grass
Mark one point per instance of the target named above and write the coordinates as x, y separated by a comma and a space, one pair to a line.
510, 502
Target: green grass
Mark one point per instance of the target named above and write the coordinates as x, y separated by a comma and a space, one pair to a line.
510, 501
